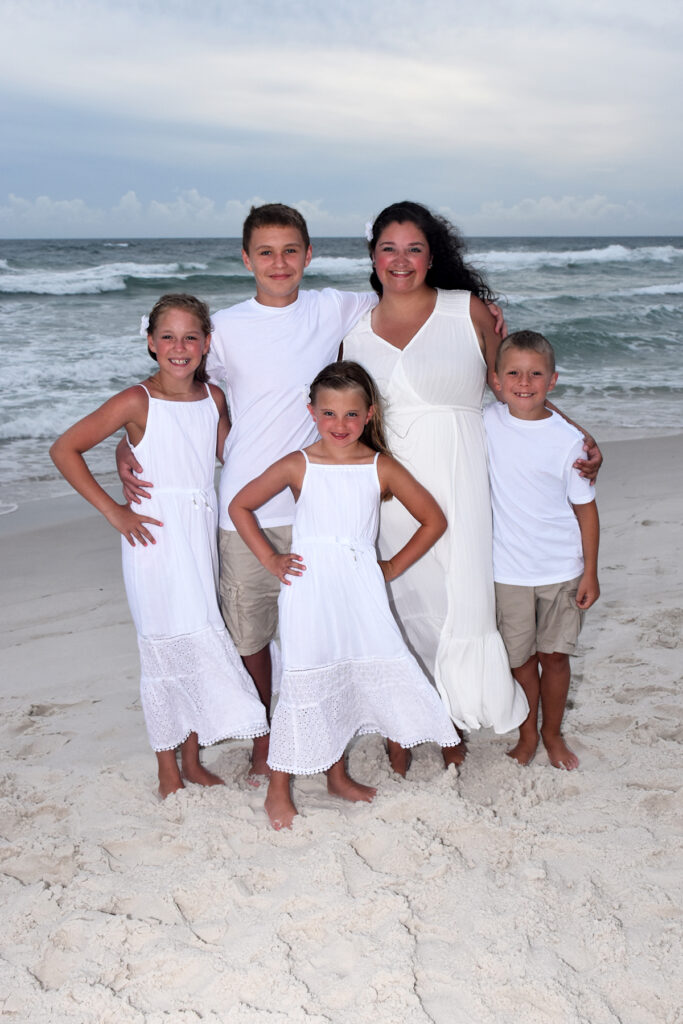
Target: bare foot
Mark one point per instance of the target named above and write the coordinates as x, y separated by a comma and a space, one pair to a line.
559, 754
170, 779
454, 755
201, 776
524, 750
342, 785
400, 758
165, 789
278, 804
259, 761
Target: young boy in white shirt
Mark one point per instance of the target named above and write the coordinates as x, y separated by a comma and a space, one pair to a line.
545, 538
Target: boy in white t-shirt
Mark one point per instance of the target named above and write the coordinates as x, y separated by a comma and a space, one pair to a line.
545, 538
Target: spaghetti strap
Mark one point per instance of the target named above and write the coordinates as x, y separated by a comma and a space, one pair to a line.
141, 385
305, 456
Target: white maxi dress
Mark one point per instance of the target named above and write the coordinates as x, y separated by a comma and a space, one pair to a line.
445, 603
346, 668
192, 678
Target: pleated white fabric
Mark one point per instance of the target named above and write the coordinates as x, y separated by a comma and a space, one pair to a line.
192, 678
445, 603
346, 669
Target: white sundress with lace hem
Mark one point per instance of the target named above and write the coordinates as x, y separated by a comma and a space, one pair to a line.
346, 669
192, 678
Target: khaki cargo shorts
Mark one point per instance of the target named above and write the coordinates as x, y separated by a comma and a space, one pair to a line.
248, 592
544, 619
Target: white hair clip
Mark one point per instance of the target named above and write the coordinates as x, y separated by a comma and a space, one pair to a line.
368, 230
144, 326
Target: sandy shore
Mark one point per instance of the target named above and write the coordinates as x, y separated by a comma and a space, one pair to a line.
504, 894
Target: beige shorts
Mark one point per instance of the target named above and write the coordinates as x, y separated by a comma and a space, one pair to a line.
248, 592
544, 619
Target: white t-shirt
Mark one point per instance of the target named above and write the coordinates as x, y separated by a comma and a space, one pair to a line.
536, 536
267, 357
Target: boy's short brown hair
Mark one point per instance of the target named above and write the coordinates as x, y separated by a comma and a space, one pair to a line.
529, 341
273, 214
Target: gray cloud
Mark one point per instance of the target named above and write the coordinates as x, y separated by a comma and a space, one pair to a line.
499, 112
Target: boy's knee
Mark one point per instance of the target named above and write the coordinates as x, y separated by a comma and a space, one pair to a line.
555, 660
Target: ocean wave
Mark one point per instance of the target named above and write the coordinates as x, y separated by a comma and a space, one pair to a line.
4, 265
108, 277
339, 266
518, 259
673, 288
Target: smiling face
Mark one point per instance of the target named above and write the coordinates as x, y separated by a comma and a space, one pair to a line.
277, 257
178, 342
401, 257
340, 416
522, 381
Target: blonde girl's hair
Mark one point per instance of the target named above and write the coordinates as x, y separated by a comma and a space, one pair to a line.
189, 304
345, 374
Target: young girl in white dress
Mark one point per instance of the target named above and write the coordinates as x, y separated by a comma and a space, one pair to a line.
194, 688
346, 669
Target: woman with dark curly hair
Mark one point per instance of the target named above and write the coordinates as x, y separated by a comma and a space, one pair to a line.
429, 344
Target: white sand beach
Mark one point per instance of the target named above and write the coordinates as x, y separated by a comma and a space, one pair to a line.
502, 894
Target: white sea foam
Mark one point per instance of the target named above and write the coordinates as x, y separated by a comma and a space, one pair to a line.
517, 259
339, 266
108, 277
673, 288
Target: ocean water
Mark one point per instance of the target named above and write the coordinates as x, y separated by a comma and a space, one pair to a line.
71, 312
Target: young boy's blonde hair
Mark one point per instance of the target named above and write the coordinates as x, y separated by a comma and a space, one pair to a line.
527, 341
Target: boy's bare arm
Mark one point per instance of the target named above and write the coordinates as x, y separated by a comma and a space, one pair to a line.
589, 524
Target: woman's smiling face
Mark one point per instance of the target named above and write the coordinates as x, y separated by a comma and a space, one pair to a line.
401, 257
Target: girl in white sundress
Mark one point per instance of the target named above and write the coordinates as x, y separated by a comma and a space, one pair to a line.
346, 669
194, 689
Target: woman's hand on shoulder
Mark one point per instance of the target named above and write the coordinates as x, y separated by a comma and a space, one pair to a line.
590, 466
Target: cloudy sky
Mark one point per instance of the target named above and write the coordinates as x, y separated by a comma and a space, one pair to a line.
170, 118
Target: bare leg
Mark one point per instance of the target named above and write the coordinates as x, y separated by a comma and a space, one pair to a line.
341, 784
527, 675
191, 766
555, 676
260, 669
399, 757
170, 779
279, 804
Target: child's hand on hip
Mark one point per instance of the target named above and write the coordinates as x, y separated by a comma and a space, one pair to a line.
284, 565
